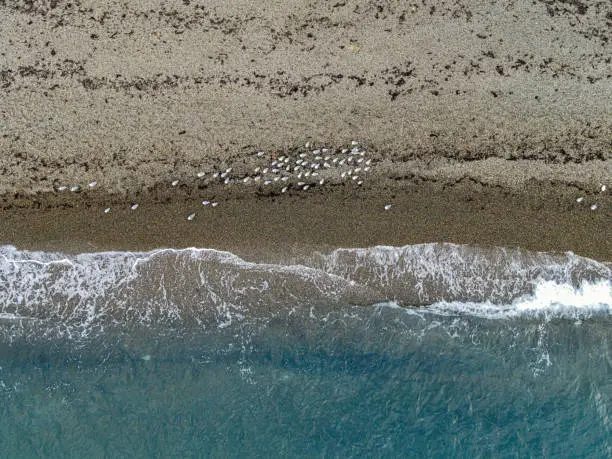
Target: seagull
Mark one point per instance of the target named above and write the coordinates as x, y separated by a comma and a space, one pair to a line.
92, 184
134, 206
603, 188
214, 204
594, 206
107, 210
175, 183
75, 188
387, 206
205, 203
62, 188
580, 199
191, 217
201, 174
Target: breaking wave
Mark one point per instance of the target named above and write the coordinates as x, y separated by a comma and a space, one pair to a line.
54, 294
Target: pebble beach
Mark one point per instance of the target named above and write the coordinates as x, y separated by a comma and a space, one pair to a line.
375, 123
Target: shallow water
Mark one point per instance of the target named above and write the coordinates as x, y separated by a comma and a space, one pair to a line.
437, 350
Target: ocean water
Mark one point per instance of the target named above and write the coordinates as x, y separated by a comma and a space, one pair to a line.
434, 350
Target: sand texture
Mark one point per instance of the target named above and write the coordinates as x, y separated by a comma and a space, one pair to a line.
471, 96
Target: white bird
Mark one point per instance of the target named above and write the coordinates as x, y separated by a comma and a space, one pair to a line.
260, 153
107, 210
285, 178
205, 203
387, 206
216, 174
175, 183
246, 179
227, 180
134, 206
214, 204
75, 188
360, 182
62, 188
191, 217
201, 174
257, 169
92, 184
306, 187
354, 143
594, 207
267, 182
321, 182
284, 189
344, 150
580, 199
603, 188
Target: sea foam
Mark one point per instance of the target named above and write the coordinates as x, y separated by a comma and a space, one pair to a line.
76, 295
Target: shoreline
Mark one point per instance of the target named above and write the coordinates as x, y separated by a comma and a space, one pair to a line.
273, 227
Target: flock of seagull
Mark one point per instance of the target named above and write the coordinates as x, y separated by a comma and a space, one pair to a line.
302, 171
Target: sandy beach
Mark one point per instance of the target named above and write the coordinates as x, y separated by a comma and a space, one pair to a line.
484, 123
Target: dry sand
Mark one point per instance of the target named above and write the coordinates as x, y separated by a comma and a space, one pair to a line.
485, 119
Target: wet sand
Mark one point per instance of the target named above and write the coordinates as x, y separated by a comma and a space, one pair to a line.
485, 122
273, 228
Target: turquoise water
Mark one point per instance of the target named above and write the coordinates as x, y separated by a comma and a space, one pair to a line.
433, 350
